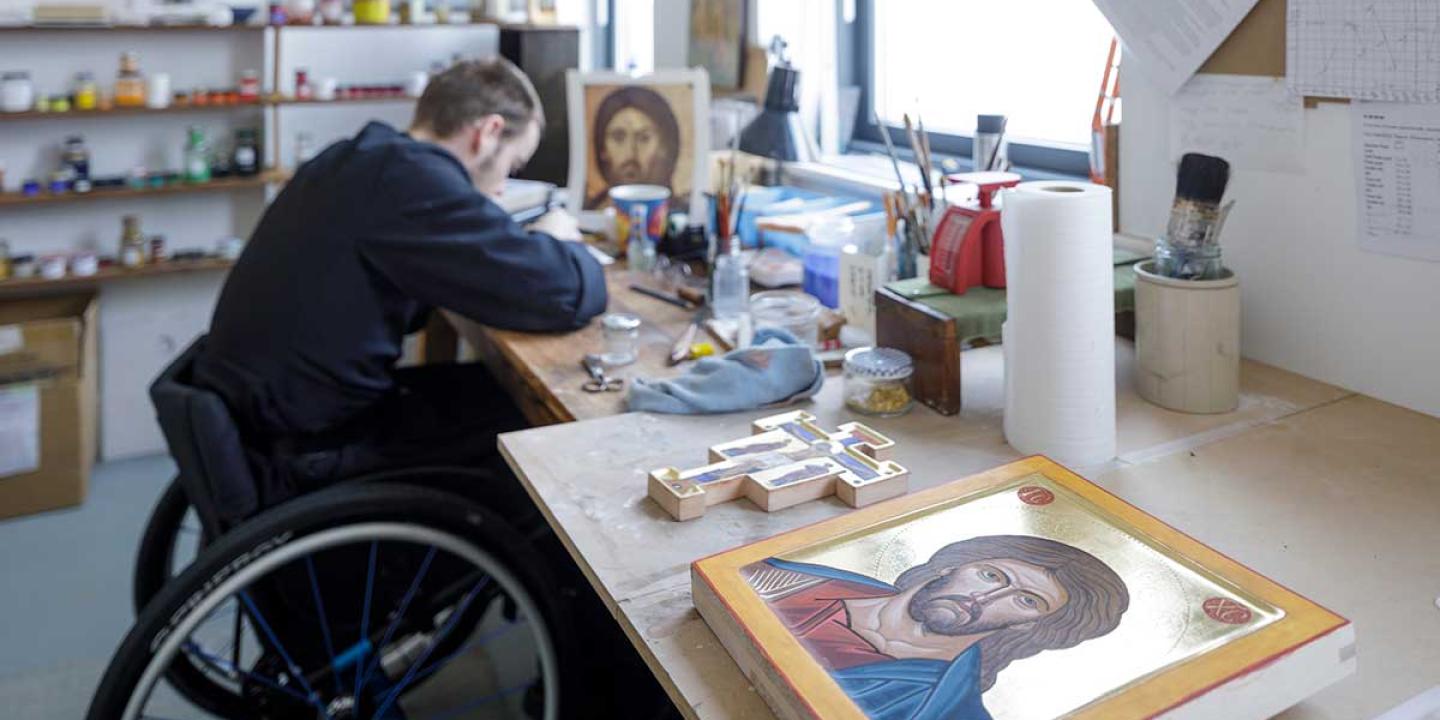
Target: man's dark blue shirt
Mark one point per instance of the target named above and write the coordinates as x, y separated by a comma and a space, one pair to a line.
356, 251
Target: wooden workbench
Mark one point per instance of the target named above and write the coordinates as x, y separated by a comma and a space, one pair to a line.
1330, 493
543, 372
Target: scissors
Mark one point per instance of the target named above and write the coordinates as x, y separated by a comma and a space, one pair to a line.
599, 381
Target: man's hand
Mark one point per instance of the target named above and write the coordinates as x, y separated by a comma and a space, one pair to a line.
558, 224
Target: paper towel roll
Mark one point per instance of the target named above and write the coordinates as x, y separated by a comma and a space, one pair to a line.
1059, 334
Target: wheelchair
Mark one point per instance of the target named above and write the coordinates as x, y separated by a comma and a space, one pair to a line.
402, 594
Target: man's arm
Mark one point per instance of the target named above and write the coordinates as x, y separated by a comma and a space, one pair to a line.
462, 252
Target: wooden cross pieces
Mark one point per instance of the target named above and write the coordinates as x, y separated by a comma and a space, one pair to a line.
786, 461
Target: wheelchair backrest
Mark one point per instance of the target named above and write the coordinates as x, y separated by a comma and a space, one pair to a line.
206, 445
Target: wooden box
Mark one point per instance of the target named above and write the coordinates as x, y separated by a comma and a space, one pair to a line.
1022, 592
929, 338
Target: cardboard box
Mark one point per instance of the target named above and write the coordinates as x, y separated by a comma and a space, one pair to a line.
48, 374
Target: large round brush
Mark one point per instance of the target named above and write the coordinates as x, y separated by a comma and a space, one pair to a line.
1198, 191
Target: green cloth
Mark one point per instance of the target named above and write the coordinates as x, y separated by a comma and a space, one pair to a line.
981, 310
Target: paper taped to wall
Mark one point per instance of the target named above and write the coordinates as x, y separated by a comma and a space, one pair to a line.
1397, 167
1252, 122
1371, 50
1168, 40
19, 429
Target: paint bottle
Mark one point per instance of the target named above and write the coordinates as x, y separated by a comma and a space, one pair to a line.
197, 157
129, 84
87, 93
246, 158
132, 242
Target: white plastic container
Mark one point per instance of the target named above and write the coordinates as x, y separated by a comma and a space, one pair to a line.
1187, 341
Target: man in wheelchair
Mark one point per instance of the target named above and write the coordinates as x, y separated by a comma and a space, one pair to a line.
425, 585
357, 250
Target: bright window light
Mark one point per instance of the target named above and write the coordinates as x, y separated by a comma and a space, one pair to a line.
1039, 62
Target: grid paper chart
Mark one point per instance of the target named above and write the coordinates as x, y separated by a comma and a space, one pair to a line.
1365, 49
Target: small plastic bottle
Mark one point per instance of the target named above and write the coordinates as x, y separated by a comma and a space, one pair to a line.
730, 282
639, 251
132, 242
197, 157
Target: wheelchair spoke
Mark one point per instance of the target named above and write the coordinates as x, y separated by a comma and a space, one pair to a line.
289, 664
365, 616
478, 702
236, 671
323, 618
450, 623
237, 638
481, 641
399, 616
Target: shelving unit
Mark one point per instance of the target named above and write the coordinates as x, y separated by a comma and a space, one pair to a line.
13, 199
20, 287
343, 101
130, 111
130, 28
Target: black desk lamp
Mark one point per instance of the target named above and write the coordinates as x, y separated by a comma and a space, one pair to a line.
777, 132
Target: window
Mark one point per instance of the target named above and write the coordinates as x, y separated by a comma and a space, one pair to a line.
633, 22
1038, 62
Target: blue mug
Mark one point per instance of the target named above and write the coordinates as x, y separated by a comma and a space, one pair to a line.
653, 199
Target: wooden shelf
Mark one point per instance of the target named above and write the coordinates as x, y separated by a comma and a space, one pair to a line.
394, 26
344, 101
130, 28
483, 22
40, 286
124, 111
15, 199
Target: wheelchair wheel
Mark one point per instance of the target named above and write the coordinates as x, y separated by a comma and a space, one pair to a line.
361, 601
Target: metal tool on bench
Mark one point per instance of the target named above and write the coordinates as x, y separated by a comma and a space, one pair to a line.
599, 381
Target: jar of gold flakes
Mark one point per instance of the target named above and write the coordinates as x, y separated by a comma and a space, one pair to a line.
877, 381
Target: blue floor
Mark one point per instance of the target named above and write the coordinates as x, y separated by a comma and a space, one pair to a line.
65, 602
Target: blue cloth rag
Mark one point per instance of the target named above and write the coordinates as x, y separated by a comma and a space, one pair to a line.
775, 370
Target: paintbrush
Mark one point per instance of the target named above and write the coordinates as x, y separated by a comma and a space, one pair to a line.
1199, 188
890, 148
739, 208
915, 150
929, 158
999, 141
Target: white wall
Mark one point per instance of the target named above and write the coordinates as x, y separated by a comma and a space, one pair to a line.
1312, 301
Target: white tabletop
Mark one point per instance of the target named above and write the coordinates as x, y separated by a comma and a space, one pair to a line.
1334, 495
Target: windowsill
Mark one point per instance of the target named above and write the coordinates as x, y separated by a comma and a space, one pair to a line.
866, 147
864, 172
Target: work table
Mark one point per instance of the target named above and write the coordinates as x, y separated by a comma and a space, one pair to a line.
1327, 492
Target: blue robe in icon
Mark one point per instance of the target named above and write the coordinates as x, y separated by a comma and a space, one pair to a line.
884, 688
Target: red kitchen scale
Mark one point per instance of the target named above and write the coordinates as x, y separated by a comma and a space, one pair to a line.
968, 248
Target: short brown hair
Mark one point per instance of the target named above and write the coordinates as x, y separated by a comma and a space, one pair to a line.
472, 89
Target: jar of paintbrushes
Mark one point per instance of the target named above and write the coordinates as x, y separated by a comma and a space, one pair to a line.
1190, 248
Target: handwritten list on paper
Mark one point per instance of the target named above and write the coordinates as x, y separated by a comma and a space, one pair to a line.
1397, 162
1252, 122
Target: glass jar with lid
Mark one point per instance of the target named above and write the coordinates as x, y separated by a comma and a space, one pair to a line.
87, 93
877, 381
129, 83
622, 338
17, 92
